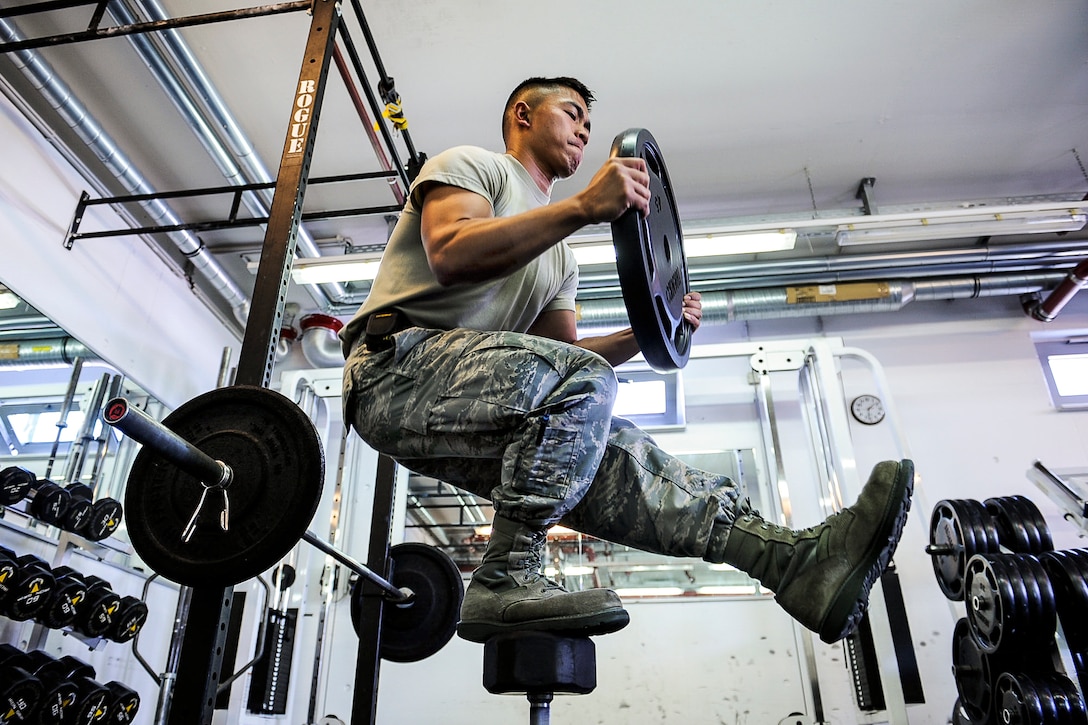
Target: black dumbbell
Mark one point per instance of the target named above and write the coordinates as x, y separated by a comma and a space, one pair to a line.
77, 698
124, 703
58, 695
99, 610
7, 575
104, 519
69, 594
131, 616
49, 502
94, 697
31, 586
81, 498
20, 690
15, 483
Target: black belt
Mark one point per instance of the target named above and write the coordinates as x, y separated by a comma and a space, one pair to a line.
380, 328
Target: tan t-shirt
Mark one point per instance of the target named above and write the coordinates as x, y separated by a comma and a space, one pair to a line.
405, 280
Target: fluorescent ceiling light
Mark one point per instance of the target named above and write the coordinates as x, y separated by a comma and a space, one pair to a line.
925, 228
651, 592
339, 268
8, 300
719, 244
710, 244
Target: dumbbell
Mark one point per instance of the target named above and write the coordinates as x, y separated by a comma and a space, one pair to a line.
69, 594
21, 692
87, 701
58, 696
131, 615
124, 703
99, 611
49, 502
104, 519
81, 498
26, 590
93, 520
15, 483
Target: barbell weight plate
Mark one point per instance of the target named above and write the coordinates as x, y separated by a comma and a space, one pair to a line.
1010, 602
973, 675
959, 529
1011, 527
650, 260
279, 468
418, 629
1067, 573
1036, 523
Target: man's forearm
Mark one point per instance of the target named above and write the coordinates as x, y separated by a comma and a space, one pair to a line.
617, 348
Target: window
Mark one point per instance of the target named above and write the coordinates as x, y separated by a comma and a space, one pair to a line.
31, 428
1065, 367
650, 400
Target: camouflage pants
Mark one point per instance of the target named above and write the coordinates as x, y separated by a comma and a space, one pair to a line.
527, 423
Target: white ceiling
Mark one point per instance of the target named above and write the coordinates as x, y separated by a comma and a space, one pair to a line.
772, 107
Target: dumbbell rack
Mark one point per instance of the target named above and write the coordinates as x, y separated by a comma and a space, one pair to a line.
66, 545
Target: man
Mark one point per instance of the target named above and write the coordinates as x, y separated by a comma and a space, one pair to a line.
464, 365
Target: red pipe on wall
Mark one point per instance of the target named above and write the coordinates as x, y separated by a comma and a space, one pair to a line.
1049, 308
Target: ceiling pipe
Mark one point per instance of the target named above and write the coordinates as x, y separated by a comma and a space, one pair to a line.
1047, 310
204, 109
73, 112
772, 303
320, 344
44, 353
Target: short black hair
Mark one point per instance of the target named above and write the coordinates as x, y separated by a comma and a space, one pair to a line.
542, 85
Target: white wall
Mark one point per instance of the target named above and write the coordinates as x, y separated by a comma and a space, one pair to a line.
113, 294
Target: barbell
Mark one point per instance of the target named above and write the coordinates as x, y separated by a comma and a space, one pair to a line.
226, 485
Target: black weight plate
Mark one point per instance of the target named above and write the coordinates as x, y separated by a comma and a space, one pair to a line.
1016, 700
279, 468
957, 533
416, 630
974, 680
1024, 512
991, 602
1066, 570
1011, 528
650, 259
1032, 514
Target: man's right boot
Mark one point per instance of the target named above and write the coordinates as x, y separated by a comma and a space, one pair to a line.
509, 592
821, 576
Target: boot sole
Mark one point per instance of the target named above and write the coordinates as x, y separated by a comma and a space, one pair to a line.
850, 604
580, 626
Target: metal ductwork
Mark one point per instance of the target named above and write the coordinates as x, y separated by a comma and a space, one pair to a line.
60, 96
769, 303
43, 352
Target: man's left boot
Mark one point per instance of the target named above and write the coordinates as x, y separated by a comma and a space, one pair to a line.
821, 576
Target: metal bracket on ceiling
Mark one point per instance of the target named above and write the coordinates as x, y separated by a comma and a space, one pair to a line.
865, 193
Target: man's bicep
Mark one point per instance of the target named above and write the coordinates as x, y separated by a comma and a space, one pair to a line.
445, 207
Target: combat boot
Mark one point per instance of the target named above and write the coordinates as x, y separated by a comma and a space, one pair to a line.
821, 576
508, 592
